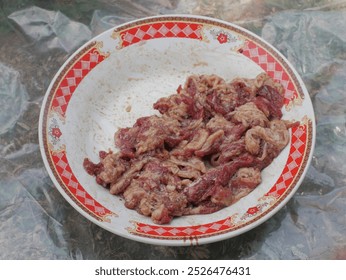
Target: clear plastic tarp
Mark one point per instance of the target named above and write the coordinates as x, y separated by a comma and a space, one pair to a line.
38, 36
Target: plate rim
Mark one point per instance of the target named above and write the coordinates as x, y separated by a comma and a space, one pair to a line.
176, 242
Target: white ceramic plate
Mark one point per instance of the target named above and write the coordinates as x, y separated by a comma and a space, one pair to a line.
115, 78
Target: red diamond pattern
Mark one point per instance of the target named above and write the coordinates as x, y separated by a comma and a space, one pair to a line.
273, 68
73, 187
179, 232
171, 29
63, 91
73, 76
294, 161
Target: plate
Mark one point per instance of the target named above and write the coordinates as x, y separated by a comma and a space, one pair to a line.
115, 78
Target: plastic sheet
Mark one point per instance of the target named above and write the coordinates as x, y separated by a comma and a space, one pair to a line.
37, 37
50, 30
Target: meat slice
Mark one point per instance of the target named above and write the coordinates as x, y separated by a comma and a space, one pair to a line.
154, 193
125, 140
196, 143
276, 136
193, 167
228, 151
119, 186
108, 170
246, 177
211, 145
172, 106
206, 186
249, 115
275, 101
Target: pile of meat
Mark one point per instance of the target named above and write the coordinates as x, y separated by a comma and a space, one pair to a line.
203, 152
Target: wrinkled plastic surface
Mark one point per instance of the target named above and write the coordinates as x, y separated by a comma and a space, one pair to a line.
38, 36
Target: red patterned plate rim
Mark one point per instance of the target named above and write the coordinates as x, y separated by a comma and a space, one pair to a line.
164, 38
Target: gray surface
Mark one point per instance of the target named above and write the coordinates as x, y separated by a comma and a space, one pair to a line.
36, 37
